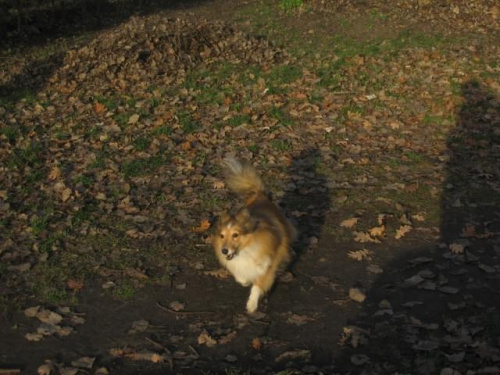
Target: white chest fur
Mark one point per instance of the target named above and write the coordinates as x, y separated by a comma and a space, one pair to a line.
248, 265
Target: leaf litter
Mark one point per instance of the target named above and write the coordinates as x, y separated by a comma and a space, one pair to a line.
112, 141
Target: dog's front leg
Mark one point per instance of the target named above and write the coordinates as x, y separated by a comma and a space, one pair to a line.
253, 300
243, 282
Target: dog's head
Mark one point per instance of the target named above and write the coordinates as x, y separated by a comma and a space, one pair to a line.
233, 233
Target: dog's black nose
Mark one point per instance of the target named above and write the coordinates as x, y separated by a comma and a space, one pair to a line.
225, 251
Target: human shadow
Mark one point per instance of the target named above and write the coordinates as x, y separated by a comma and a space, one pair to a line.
436, 306
306, 200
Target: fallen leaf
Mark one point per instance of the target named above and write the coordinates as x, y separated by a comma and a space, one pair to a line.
204, 226
360, 255
294, 355
177, 305
228, 338
75, 285
256, 343
377, 231
133, 119
55, 173
381, 219
46, 368
359, 359
455, 357
138, 326
49, 317
413, 281
84, 362
402, 231
221, 273
68, 371
418, 217
99, 107
299, 319
349, 223
363, 237
33, 336
219, 185
66, 194
206, 339
457, 248
357, 295
426, 345
31, 311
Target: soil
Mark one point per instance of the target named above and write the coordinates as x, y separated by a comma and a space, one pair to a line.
429, 303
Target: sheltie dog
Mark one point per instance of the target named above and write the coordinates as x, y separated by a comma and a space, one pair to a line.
253, 243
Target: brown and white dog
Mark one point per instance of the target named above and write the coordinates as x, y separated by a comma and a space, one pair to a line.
254, 243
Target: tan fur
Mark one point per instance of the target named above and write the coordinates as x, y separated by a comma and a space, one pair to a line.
255, 242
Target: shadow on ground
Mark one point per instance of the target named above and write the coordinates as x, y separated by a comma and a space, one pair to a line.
24, 26
436, 307
32, 24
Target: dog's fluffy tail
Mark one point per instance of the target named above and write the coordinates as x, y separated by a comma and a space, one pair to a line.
243, 179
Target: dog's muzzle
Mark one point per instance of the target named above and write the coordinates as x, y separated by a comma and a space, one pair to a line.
229, 255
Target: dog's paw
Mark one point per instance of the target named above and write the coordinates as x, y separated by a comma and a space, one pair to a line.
252, 306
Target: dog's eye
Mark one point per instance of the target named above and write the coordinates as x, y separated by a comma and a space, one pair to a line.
221, 236
235, 235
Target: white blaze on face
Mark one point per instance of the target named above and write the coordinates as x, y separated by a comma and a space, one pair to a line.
227, 250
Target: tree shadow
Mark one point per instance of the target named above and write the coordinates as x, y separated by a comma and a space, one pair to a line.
436, 306
61, 19
32, 24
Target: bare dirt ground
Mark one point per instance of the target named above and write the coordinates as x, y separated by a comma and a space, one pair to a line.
376, 128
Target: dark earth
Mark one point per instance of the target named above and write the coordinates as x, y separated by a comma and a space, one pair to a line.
375, 126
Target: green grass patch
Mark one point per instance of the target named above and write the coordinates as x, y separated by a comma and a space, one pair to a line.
48, 282
122, 119
27, 156
99, 162
280, 115
281, 145
254, 148
111, 103
285, 74
239, 120
188, 123
11, 133
82, 215
414, 157
142, 143
289, 5
39, 224
83, 180
140, 167
162, 130
329, 77
125, 290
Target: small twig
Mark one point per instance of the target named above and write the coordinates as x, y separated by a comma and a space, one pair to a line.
194, 351
342, 92
160, 346
470, 10
260, 322
183, 312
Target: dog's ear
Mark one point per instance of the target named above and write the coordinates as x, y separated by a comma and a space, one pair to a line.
225, 218
248, 223
245, 214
